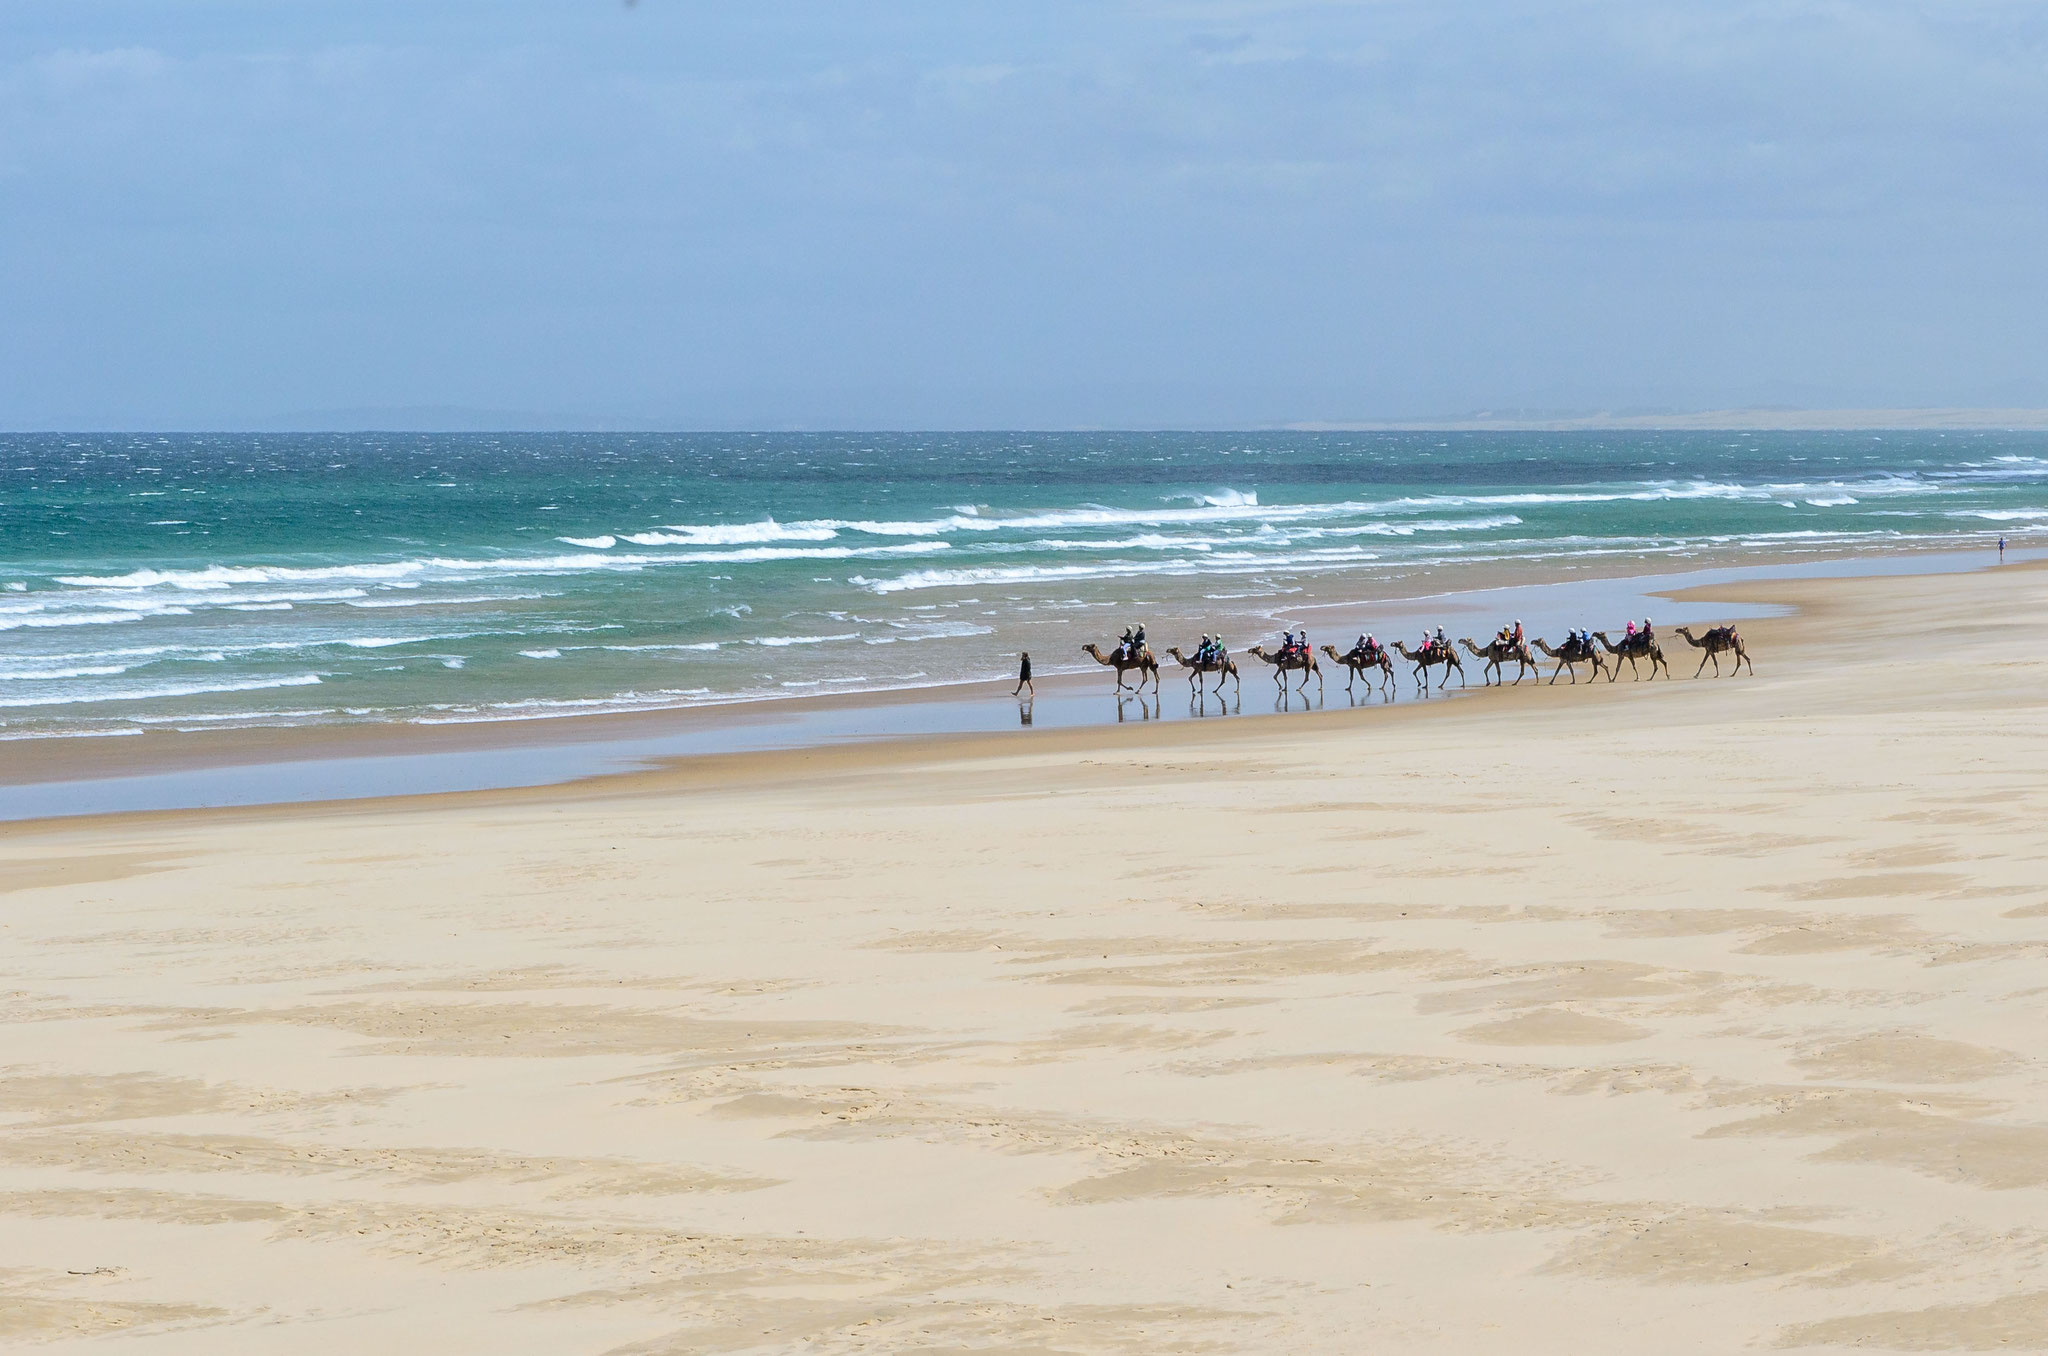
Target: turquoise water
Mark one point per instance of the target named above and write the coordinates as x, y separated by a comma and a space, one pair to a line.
210, 581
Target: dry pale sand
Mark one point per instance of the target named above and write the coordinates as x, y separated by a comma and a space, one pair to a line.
1673, 1017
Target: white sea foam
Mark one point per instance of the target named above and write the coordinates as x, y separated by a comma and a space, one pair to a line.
732, 534
604, 543
222, 717
76, 671
218, 577
70, 734
160, 693
451, 601
541, 654
629, 649
912, 632
777, 642
87, 619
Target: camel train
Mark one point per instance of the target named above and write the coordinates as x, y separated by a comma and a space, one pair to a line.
1373, 662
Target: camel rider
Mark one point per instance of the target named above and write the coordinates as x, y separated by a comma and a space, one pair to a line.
1123, 647
1138, 641
1518, 633
1202, 651
1649, 633
1371, 648
1631, 631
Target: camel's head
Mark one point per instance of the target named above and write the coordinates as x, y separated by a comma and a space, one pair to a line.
1173, 650
1089, 648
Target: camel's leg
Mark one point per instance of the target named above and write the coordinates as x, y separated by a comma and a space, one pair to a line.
1703, 665
1743, 655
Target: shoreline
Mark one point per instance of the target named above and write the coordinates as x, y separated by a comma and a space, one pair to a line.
169, 772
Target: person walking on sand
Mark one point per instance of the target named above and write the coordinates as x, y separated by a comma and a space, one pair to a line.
2001, 548
1024, 674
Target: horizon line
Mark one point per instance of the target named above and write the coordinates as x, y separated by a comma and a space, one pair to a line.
1729, 419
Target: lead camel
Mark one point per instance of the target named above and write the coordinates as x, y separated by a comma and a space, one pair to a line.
1716, 643
1142, 661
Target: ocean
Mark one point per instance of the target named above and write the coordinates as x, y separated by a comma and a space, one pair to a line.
220, 581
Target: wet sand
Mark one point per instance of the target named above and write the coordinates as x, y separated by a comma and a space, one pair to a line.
1678, 1017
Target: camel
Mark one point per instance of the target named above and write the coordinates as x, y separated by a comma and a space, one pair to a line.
1496, 654
1719, 640
1357, 662
1143, 662
1571, 656
1432, 654
1225, 668
1634, 647
1283, 664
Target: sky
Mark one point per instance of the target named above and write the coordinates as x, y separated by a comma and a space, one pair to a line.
1013, 213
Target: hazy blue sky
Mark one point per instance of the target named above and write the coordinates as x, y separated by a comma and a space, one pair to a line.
1015, 212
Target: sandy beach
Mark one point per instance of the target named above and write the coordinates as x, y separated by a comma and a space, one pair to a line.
1675, 1016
